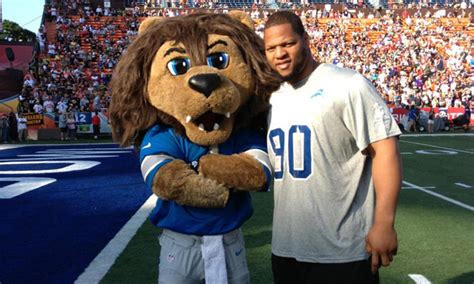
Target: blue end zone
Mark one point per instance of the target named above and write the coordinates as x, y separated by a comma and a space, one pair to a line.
50, 234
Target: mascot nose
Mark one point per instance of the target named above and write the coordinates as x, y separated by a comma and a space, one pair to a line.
205, 83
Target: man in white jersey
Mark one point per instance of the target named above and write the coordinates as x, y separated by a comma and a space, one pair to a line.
333, 145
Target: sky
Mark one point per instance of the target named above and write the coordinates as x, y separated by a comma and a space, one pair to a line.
26, 13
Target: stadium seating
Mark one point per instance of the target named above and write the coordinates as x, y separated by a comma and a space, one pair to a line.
125, 23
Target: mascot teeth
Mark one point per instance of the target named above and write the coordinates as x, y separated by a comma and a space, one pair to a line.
201, 127
216, 126
227, 115
188, 118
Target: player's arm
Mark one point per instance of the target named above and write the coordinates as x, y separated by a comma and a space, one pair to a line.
381, 241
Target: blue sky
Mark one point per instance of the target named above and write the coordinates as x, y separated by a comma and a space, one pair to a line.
26, 13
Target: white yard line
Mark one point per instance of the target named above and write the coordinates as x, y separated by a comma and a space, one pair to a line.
409, 187
419, 279
462, 185
439, 147
106, 258
437, 135
458, 203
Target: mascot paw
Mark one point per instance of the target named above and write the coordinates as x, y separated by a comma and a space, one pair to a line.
179, 182
238, 171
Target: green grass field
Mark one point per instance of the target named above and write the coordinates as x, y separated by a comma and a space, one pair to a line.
435, 221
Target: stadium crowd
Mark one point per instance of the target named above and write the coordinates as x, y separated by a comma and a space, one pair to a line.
411, 59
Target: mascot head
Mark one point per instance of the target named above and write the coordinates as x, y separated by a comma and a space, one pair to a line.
202, 74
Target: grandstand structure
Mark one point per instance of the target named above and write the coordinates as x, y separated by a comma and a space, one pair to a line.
348, 3
453, 25
83, 42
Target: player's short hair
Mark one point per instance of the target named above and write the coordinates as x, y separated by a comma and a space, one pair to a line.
286, 17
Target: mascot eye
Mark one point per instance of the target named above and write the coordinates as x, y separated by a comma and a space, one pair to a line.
219, 60
178, 66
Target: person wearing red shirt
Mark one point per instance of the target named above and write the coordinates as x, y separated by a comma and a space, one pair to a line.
96, 125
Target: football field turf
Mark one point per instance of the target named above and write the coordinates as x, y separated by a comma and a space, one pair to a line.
435, 221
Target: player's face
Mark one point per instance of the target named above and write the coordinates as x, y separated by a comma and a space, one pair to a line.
287, 53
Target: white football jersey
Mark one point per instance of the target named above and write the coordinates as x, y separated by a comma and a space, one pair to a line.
324, 196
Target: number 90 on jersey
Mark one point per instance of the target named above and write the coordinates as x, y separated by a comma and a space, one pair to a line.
296, 156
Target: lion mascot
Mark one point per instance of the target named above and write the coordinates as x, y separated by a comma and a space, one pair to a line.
191, 94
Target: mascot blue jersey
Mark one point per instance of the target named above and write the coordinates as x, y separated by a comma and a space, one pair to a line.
161, 145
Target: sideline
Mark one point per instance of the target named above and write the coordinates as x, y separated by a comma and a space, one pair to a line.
106, 258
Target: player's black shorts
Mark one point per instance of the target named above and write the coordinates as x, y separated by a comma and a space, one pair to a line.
290, 271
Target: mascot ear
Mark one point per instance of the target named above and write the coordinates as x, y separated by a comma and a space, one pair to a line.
148, 22
242, 17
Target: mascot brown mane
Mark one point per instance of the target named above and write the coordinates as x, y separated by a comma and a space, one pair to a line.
205, 103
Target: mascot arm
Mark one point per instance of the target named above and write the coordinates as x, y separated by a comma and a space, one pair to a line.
239, 171
177, 181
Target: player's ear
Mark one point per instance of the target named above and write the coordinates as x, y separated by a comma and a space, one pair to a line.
306, 38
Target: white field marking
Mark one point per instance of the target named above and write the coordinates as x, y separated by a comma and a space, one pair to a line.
436, 152
89, 149
463, 185
75, 166
439, 147
437, 135
10, 146
83, 151
419, 279
409, 187
106, 258
458, 203
406, 153
22, 185
55, 157
70, 153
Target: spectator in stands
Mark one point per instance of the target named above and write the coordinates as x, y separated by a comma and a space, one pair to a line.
4, 128
62, 125
51, 50
38, 107
96, 124
71, 126
99, 11
13, 134
62, 105
22, 128
413, 117
431, 117
408, 59
96, 102
467, 116
48, 105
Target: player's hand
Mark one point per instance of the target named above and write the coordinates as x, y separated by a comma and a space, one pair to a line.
381, 242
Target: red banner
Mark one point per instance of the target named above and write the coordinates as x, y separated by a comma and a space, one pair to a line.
399, 114
451, 113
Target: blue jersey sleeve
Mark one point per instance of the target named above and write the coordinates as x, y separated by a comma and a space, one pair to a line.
159, 147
